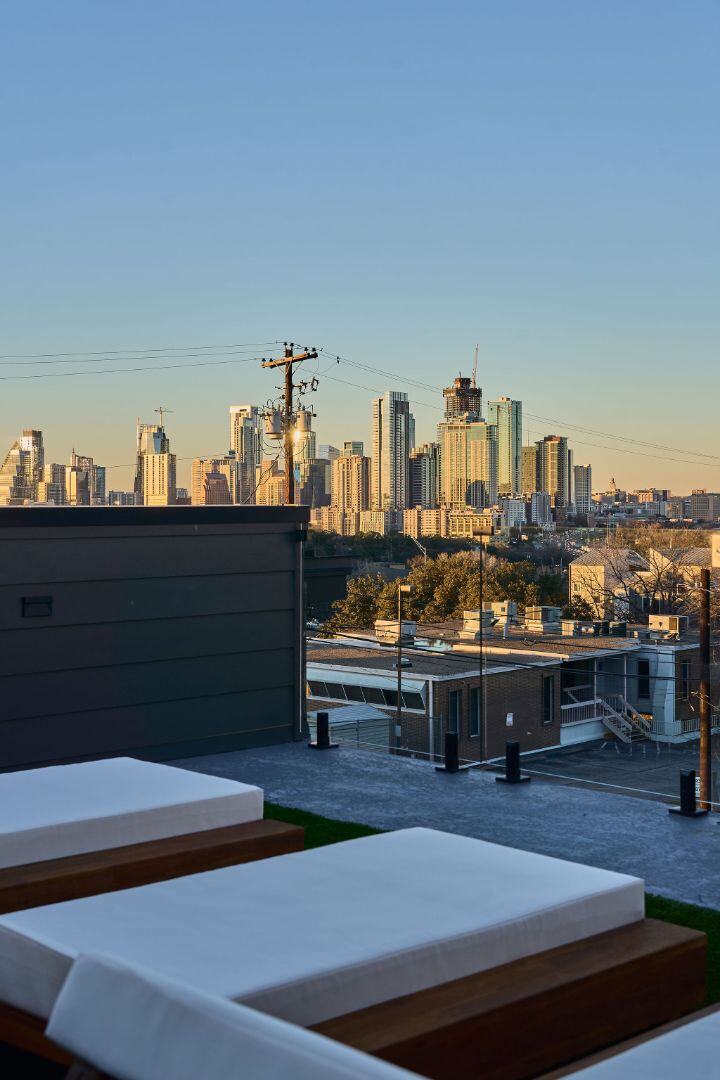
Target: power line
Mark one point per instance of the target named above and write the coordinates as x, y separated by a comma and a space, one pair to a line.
559, 423
130, 371
119, 352
110, 358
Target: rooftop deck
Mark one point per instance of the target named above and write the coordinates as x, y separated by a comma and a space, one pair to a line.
678, 858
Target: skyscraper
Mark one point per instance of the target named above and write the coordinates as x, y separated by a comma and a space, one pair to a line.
246, 442
94, 477
529, 470
463, 398
312, 488
582, 476
393, 436
469, 466
225, 466
22, 469
506, 415
425, 476
554, 463
51, 488
155, 478
351, 483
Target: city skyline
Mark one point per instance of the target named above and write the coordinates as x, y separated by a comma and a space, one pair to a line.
463, 469
566, 219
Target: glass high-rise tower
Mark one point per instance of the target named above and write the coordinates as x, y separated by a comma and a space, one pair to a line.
506, 415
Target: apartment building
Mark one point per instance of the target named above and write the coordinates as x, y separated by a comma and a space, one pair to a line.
439, 693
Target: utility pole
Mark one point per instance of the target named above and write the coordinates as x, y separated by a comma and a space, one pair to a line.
287, 362
398, 721
705, 720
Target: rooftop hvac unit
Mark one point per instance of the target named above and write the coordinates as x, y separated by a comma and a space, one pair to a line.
618, 629
543, 614
669, 624
571, 627
386, 630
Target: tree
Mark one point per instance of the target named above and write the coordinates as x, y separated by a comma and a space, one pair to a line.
445, 587
358, 608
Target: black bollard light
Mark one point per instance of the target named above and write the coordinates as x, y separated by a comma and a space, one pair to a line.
512, 766
688, 802
452, 758
322, 734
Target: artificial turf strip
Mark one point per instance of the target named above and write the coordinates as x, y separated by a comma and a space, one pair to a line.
697, 918
321, 830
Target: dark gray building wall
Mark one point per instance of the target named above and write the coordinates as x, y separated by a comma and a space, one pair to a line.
158, 632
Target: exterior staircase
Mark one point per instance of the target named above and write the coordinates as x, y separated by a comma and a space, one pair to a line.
618, 716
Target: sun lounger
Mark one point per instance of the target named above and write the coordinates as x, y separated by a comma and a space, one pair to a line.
77, 830
129, 1023
392, 944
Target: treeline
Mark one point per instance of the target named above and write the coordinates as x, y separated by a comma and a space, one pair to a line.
444, 587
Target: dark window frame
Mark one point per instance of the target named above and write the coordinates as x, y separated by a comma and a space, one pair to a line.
454, 717
643, 680
475, 712
547, 713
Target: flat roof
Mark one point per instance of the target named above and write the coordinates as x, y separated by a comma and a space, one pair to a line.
382, 658
521, 640
24, 517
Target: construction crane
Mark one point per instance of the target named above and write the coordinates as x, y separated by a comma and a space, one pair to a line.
162, 410
474, 371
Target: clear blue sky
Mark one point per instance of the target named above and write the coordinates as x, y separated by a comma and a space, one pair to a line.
393, 180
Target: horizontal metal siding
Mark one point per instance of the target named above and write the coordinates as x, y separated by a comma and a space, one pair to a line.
105, 557
31, 651
96, 602
165, 638
166, 729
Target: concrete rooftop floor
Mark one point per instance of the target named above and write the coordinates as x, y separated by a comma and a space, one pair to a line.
677, 857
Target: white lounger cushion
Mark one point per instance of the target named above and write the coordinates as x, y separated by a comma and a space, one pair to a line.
138, 1026
320, 933
70, 809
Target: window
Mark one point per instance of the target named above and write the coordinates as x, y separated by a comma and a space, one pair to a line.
390, 698
354, 693
454, 699
374, 695
548, 699
335, 690
318, 689
475, 719
412, 700
643, 673
685, 680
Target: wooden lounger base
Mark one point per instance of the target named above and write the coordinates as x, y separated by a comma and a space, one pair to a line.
629, 1044
534, 1014
96, 872
514, 1021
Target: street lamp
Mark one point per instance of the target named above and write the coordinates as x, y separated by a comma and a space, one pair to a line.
478, 535
398, 720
